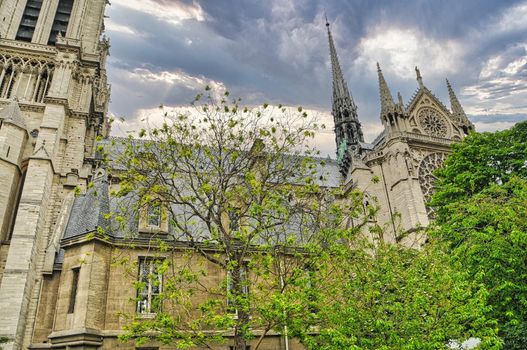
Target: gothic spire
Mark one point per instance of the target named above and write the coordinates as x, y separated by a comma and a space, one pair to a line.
340, 88
387, 104
457, 109
454, 102
348, 131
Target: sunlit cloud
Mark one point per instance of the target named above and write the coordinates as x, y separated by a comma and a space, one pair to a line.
512, 20
145, 118
177, 77
113, 27
173, 12
399, 50
501, 87
277, 51
493, 126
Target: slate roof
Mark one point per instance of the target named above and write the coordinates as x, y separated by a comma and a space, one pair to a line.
12, 113
328, 168
88, 211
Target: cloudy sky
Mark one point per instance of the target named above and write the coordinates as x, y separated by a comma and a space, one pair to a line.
165, 51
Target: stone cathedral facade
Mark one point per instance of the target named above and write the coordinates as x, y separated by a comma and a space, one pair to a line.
396, 169
58, 287
54, 99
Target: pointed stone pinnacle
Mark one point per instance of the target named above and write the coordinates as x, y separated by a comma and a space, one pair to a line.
387, 104
457, 110
348, 130
455, 106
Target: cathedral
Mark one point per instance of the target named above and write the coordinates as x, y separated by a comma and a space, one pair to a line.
53, 113
396, 169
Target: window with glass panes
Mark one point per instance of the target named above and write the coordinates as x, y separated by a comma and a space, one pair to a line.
154, 215
150, 284
231, 301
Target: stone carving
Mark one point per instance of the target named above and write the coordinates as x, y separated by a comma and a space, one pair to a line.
427, 179
35, 73
432, 122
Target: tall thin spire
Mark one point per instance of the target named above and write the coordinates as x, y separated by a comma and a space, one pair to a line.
457, 110
387, 104
340, 88
348, 131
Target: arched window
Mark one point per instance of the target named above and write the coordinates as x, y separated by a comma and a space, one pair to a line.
8, 82
427, 178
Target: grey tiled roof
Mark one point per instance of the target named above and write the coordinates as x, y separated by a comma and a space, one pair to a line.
89, 210
12, 113
327, 168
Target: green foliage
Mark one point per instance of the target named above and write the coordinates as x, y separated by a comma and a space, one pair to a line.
488, 237
481, 203
268, 247
398, 298
482, 159
244, 193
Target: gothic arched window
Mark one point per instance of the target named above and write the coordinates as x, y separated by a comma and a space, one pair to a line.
427, 179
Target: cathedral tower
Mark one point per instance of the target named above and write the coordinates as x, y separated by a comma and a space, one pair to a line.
53, 105
348, 131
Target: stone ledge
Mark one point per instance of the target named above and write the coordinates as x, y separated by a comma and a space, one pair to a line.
76, 337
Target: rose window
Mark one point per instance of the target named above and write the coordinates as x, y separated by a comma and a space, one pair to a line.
426, 174
432, 123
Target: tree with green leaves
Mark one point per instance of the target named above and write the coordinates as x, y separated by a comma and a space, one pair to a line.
387, 296
249, 210
480, 206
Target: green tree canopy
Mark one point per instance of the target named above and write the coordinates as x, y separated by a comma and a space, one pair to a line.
387, 297
481, 206
482, 159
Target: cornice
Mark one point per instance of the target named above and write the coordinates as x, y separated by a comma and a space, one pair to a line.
17, 47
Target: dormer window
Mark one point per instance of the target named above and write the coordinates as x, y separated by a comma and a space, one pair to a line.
153, 218
154, 215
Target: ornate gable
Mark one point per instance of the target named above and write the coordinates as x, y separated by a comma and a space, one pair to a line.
428, 116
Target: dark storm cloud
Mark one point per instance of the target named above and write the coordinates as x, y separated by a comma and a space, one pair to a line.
277, 51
